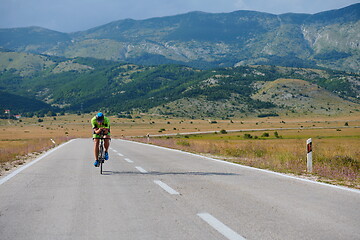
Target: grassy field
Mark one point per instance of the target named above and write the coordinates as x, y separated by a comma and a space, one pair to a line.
271, 143
336, 153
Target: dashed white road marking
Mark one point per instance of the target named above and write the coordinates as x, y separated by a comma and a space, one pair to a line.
220, 227
166, 187
115, 151
140, 169
128, 160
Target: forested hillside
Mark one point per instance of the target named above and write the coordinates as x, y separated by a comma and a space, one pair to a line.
85, 84
18, 104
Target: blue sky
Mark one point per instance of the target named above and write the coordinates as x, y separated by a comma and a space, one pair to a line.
78, 15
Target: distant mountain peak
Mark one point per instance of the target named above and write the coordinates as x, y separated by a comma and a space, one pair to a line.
327, 39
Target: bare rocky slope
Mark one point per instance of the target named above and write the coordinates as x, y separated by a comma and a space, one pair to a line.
328, 39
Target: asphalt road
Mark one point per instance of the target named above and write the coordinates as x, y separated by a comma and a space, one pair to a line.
148, 192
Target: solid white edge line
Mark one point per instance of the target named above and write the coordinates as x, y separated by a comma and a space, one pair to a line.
128, 160
17, 171
140, 169
251, 168
220, 227
166, 187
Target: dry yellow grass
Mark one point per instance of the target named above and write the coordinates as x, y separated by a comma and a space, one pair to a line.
340, 164
336, 147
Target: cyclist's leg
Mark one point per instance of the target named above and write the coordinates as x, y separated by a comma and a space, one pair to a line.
106, 145
96, 148
107, 142
96, 151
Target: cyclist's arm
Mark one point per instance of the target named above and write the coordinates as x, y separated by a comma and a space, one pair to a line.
95, 126
103, 130
98, 130
106, 127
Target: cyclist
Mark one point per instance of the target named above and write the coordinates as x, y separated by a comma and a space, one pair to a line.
101, 126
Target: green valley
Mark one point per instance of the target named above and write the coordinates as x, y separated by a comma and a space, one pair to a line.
85, 84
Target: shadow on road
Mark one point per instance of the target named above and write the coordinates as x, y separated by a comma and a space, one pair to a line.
170, 173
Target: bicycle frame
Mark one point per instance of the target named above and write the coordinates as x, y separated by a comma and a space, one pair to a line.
101, 156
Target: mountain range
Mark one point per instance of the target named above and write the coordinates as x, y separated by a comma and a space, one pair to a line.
328, 39
193, 65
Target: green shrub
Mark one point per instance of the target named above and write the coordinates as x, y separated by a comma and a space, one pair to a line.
247, 136
223, 131
265, 135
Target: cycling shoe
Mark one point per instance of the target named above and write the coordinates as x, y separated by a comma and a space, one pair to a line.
96, 163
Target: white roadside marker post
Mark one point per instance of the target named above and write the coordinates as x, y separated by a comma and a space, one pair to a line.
309, 154
53, 142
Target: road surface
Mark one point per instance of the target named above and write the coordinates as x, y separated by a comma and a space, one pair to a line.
148, 192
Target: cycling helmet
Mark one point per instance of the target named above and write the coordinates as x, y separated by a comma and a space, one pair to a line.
100, 117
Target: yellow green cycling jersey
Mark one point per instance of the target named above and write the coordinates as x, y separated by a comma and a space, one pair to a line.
95, 124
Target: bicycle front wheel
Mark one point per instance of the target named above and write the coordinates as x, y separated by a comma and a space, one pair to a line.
101, 155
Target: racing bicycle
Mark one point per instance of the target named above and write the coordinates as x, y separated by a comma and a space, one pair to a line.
101, 156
